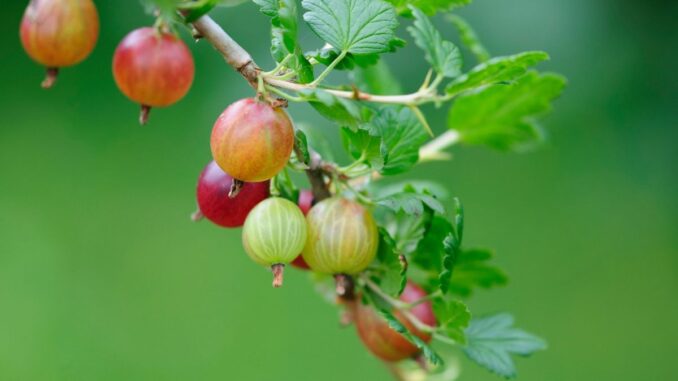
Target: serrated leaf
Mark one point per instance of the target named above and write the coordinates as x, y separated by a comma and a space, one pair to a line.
406, 229
492, 340
443, 56
429, 251
402, 136
192, 13
469, 38
351, 61
301, 144
430, 7
410, 201
397, 326
363, 146
495, 71
353, 26
453, 318
473, 270
502, 116
391, 274
451, 252
342, 111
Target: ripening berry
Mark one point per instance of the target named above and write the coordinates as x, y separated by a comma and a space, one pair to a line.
153, 68
59, 33
381, 339
274, 234
252, 141
342, 237
214, 202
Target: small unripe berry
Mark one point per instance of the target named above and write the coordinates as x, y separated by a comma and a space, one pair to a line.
252, 141
381, 339
153, 68
214, 186
59, 33
342, 237
274, 234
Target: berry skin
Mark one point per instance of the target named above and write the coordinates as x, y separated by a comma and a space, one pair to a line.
214, 202
59, 33
252, 141
305, 203
342, 237
274, 234
383, 341
153, 68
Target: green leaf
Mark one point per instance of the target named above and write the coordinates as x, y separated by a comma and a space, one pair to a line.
363, 147
351, 61
397, 326
451, 248
193, 13
284, 184
391, 272
473, 270
430, 251
453, 318
502, 116
342, 111
469, 38
430, 7
443, 56
301, 142
377, 79
406, 229
402, 137
411, 202
284, 16
284, 33
492, 340
353, 26
495, 71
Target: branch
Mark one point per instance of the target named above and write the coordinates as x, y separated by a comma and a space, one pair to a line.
236, 56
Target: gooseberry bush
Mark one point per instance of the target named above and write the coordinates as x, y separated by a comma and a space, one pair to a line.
394, 255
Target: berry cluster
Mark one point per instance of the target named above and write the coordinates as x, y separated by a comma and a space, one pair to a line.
395, 258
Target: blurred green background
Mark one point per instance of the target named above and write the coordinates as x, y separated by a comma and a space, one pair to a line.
104, 277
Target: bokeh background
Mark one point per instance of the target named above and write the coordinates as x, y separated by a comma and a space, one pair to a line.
104, 277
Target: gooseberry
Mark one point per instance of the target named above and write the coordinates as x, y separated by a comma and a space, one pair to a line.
381, 339
251, 140
274, 234
342, 237
214, 202
59, 33
153, 68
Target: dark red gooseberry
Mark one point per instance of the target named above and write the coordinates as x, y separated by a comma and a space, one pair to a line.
305, 203
59, 33
214, 202
251, 140
382, 340
153, 68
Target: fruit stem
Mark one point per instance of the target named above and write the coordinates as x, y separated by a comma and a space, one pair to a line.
143, 114
197, 215
51, 75
236, 187
278, 270
344, 286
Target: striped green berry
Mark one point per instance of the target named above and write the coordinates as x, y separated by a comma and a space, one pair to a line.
342, 237
274, 233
